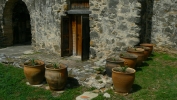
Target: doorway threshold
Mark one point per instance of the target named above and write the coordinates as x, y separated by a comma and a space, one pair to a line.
77, 57
73, 57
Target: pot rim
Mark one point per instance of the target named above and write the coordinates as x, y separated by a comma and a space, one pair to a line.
39, 64
49, 68
132, 50
133, 56
147, 44
134, 71
118, 60
33, 66
144, 47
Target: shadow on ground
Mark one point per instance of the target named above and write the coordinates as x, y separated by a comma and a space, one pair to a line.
149, 58
144, 64
72, 83
138, 69
136, 88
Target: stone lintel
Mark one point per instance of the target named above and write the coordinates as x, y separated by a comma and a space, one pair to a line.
78, 12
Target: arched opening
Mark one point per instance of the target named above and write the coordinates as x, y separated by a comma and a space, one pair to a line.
17, 28
21, 24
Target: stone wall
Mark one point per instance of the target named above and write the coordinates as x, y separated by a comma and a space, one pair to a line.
113, 25
45, 22
164, 23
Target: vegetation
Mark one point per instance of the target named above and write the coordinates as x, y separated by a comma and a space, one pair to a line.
156, 79
121, 69
54, 66
31, 62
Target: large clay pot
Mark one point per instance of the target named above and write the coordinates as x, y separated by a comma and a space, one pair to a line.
148, 45
129, 59
123, 81
111, 63
56, 78
139, 52
34, 74
147, 51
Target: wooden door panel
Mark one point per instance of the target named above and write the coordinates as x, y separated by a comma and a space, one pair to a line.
75, 36
79, 35
74, 33
65, 36
85, 38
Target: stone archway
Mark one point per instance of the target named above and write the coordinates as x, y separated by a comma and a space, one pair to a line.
17, 28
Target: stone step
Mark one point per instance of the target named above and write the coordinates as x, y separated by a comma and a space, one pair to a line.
87, 96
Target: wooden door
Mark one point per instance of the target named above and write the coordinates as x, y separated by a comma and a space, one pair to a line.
66, 40
85, 37
77, 34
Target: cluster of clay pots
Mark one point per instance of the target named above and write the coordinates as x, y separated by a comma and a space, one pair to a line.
55, 77
132, 58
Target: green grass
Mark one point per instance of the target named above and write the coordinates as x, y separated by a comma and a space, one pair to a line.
13, 87
156, 79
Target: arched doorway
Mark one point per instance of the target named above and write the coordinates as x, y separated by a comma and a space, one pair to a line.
17, 28
21, 24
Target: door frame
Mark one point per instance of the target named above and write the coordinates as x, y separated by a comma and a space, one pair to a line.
84, 54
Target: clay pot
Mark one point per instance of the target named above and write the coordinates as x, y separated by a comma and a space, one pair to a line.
111, 63
34, 74
139, 52
129, 59
123, 81
56, 78
148, 45
147, 51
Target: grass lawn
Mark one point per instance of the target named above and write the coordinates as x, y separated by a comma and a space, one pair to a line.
156, 79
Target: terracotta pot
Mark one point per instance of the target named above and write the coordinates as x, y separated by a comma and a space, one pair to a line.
129, 59
123, 81
139, 52
147, 51
111, 63
148, 45
56, 78
34, 74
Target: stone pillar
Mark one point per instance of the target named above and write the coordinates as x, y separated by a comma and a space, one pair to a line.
2, 3
149, 14
146, 21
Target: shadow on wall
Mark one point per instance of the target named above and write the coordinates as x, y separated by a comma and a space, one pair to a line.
21, 24
146, 20
2, 37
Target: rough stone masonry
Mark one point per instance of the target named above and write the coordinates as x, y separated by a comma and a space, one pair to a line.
114, 24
